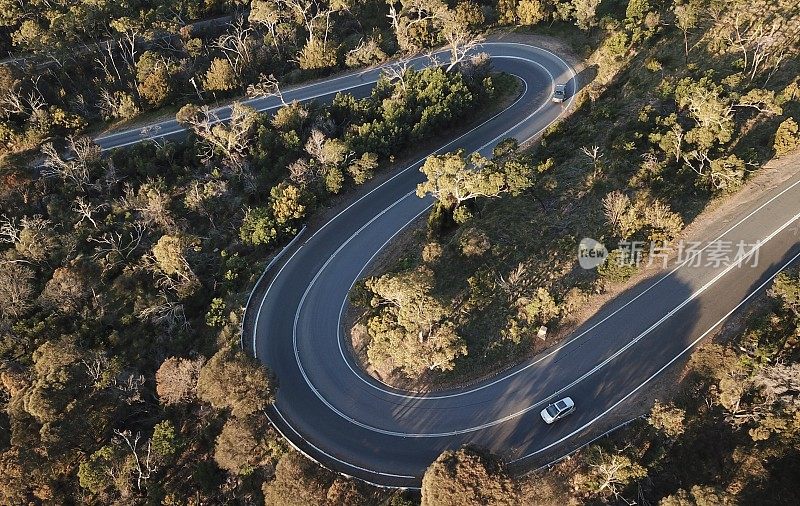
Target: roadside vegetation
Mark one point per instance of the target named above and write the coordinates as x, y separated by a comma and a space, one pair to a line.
78, 67
730, 435
122, 277
680, 105
122, 281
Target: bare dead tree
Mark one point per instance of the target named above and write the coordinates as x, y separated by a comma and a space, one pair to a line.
679, 134
512, 284
268, 15
35, 100
9, 230
300, 172
74, 168
168, 313
397, 73
150, 133
764, 32
96, 364
86, 210
236, 45
129, 384
267, 86
314, 13
117, 247
231, 140
143, 466
595, 155
126, 42
460, 40
615, 206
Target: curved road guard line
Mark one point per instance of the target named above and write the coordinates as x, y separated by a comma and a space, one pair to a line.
261, 278
378, 473
334, 458
586, 425
413, 165
584, 445
507, 375
580, 379
591, 422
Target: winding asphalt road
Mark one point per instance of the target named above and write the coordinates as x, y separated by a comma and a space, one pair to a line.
352, 423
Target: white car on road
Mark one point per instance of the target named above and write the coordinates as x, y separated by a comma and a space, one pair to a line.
560, 93
558, 410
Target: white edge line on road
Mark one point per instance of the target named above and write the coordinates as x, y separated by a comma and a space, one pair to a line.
583, 377
580, 429
263, 274
293, 90
505, 133
665, 366
323, 452
589, 423
401, 172
559, 347
649, 379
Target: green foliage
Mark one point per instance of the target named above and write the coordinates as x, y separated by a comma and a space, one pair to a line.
297, 483
698, 496
787, 137
221, 76
216, 317
169, 254
506, 12
469, 14
668, 419
368, 52
411, 329
97, 473
232, 380
617, 268
85, 325
474, 243
246, 444
585, 13
542, 308
317, 55
530, 12
786, 289
287, 204
165, 441
724, 174
642, 218
258, 227
711, 110
419, 105
454, 179
57, 366
362, 169
124, 106
637, 9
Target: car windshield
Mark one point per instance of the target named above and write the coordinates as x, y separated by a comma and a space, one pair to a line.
561, 405
551, 410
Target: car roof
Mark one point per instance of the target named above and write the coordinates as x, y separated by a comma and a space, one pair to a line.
561, 86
